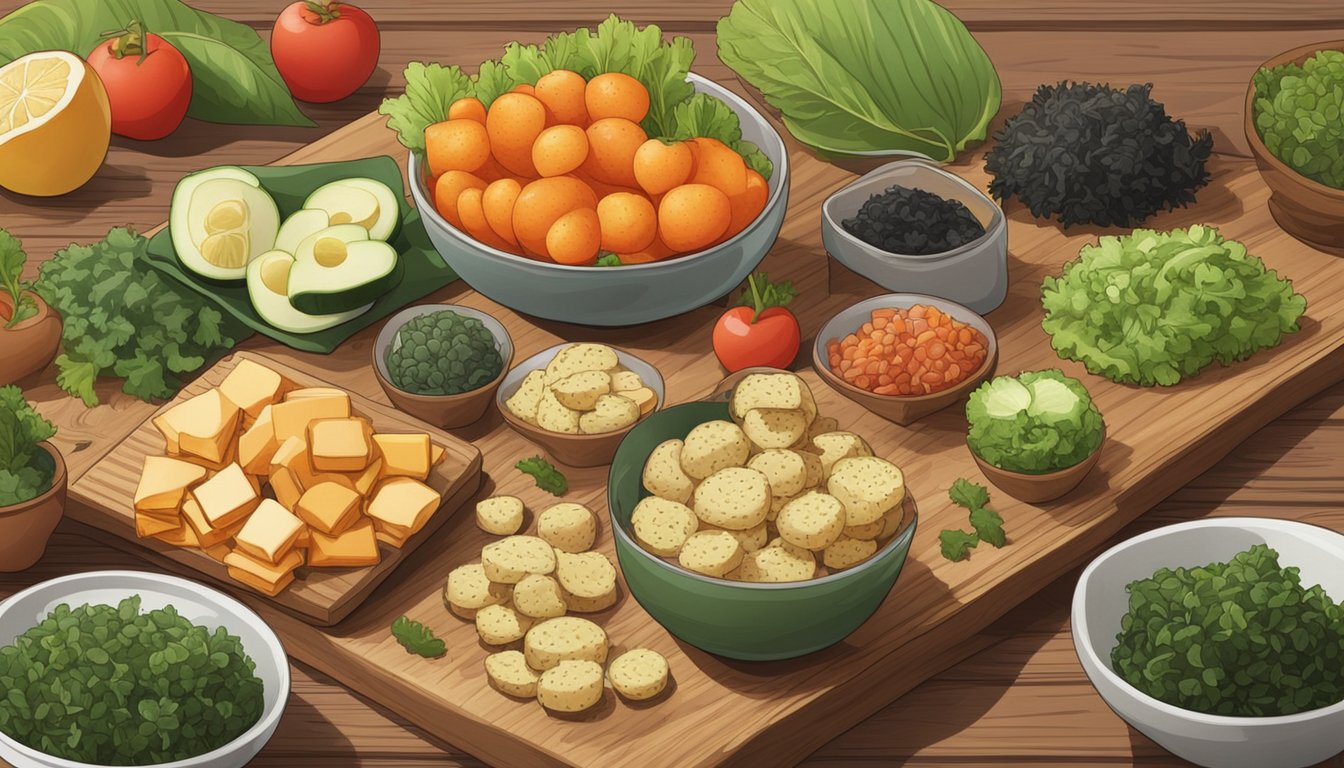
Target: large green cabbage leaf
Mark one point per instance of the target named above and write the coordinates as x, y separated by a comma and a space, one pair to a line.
865, 75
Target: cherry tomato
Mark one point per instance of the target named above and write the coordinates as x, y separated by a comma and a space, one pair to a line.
148, 82
772, 340
325, 49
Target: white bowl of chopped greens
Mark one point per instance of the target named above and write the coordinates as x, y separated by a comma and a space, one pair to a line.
1196, 637
99, 701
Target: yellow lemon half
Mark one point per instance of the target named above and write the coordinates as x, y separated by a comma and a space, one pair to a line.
55, 123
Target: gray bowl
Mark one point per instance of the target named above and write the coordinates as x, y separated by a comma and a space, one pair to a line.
1100, 601
615, 296
976, 274
198, 604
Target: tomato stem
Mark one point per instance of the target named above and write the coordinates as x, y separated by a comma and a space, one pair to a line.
326, 10
761, 294
129, 41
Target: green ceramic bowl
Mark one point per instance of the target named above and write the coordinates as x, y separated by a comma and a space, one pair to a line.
754, 622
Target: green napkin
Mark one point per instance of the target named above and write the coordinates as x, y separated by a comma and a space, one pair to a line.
422, 269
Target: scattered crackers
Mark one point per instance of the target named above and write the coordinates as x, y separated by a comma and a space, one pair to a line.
584, 389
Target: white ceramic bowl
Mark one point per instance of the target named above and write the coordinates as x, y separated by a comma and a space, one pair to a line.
1100, 601
976, 274
195, 602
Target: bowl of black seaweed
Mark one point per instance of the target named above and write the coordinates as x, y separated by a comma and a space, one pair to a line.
912, 227
134, 668
1221, 639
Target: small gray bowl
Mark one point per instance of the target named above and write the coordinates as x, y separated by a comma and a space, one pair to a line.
616, 296
976, 274
448, 411
576, 450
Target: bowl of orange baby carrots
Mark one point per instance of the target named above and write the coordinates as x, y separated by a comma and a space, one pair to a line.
584, 218
904, 356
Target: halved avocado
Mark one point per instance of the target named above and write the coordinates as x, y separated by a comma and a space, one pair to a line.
299, 226
268, 286
337, 269
221, 219
359, 200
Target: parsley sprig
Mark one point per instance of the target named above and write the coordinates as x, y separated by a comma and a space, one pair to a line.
12, 259
988, 524
417, 638
548, 478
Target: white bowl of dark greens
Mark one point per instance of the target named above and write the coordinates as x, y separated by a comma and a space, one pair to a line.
136, 669
1221, 639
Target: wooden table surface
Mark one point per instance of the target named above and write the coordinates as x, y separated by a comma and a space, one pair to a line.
1023, 699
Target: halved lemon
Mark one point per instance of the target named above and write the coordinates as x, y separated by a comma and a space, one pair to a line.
55, 123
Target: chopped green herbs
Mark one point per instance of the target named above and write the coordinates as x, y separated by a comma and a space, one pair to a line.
1156, 307
114, 686
1242, 638
417, 638
25, 469
988, 525
12, 259
122, 318
547, 476
444, 353
1092, 154
1297, 112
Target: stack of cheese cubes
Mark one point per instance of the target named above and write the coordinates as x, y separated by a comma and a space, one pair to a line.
266, 477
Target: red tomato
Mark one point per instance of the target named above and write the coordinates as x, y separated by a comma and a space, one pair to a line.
325, 49
148, 82
772, 340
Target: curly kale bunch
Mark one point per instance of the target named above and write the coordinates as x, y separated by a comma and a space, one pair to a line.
1297, 113
1093, 154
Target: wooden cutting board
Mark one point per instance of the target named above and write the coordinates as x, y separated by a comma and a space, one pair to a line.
721, 711
322, 595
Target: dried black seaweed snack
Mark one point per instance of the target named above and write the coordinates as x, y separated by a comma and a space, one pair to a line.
1093, 154
914, 222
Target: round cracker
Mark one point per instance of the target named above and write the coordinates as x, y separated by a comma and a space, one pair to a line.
638, 674
500, 515
571, 686
661, 526
508, 673
567, 526
539, 597
713, 553
735, 498
563, 639
812, 521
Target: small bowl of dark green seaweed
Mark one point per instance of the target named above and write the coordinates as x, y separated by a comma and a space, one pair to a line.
1221, 639
132, 668
442, 362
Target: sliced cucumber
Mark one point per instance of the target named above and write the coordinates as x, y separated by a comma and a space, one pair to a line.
268, 287
220, 219
339, 269
299, 226
367, 202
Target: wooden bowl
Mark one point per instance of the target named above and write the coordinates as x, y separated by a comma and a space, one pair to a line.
1034, 489
903, 410
575, 450
447, 411
1306, 209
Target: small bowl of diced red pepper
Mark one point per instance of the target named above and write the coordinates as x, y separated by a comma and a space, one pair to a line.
904, 356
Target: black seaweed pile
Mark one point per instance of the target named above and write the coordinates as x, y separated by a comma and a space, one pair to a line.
1092, 154
913, 222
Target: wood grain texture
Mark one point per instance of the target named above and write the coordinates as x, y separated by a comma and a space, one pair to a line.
102, 497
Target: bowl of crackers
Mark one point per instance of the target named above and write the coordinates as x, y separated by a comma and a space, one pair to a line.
753, 527
578, 401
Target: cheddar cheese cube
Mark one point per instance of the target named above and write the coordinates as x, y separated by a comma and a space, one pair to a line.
252, 386
257, 445
366, 480
227, 497
292, 417
302, 393
269, 533
329, 507
404, 455
181, 536
268, 578
164, 482
207, 535
340, 445
267, 588
356, 546
147, 525
203, 425
436, 454
403, 503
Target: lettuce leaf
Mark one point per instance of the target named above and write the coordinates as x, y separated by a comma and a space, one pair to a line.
704, 115
1038, 422
865, 75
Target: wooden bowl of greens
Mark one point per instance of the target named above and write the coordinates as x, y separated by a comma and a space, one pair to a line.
1303, 169
1220, 639
442, 363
